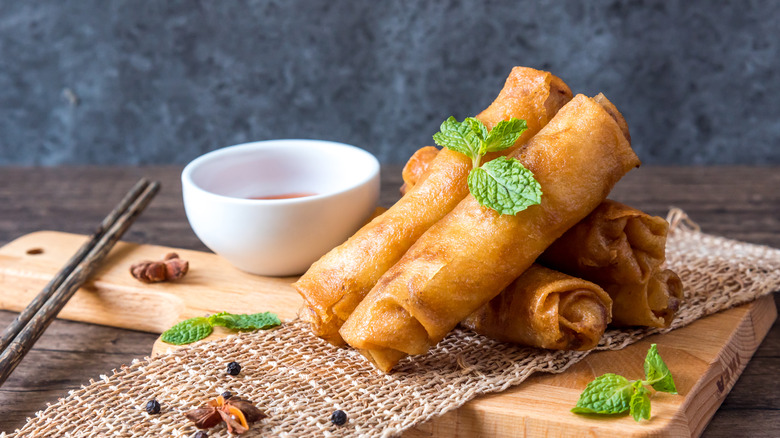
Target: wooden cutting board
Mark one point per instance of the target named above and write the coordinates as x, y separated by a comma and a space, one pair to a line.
706, 357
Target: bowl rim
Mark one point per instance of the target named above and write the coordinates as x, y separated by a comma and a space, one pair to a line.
186, 174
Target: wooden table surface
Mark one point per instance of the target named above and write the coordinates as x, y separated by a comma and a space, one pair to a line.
737, 202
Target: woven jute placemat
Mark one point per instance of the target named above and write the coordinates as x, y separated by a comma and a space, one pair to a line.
299, 380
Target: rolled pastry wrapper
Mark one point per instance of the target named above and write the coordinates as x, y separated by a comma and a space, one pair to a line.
618, 246
622, 249
334, 285
544, 308
614, 244
653, 303
417, 167
473, 253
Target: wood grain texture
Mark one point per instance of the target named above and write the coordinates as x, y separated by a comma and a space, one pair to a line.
538, 407
707, 357
47, 304
46, 293
737, 202
113, 297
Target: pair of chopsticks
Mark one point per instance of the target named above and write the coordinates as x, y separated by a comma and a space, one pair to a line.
24, 331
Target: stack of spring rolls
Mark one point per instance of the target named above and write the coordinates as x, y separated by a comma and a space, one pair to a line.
551, 276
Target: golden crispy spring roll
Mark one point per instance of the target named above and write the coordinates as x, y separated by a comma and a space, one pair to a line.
622, 249
417, 166
334, 285
546, 309
652, 303
542, 308
614, 244
473, 253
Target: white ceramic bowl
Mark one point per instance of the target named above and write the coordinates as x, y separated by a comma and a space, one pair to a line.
279, 237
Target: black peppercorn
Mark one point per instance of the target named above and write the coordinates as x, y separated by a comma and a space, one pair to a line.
339, 418
233, 368
200, 434
153, 407
227, 394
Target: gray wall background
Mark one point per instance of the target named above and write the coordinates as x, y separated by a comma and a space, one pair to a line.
152, 82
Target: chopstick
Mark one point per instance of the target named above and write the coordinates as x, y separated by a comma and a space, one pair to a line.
16, 326
25, 330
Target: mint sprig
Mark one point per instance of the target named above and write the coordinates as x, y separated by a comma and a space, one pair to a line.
640, 402
471, 137
195, 329
188, 331
657, 373
614, 394
608, 394
243, 322
504, 184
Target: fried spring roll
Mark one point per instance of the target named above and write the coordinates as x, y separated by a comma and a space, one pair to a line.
622, 249
417, 166
334, 285
546, 309
652, 303
619, 247
542, 308
473, 253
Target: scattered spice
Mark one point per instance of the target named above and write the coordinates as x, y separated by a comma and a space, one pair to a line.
226, 395
35, 251
237, 413
339, 418
233, 368
153, 407
168, 269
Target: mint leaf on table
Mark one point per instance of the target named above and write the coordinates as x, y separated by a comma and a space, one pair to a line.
195, 329
607, 394
505, 185
254, 321
614, 394
188, 331
657, 374
640, 402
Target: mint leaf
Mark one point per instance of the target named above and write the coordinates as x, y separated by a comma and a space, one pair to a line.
479, 128
188, 331
505, 134
195, 329
480, 132
608, 394
459, 137
471, 137
254, 321
504, 185
657, 374
640, 402
611, 394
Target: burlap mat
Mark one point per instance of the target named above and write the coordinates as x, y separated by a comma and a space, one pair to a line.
300, 380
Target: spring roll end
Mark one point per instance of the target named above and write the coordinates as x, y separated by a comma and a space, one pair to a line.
385, 325
583, 318
653, 304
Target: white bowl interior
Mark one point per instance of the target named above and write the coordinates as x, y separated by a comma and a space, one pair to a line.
281, 167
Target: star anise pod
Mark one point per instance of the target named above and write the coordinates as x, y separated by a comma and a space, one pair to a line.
237, 413
204, 417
